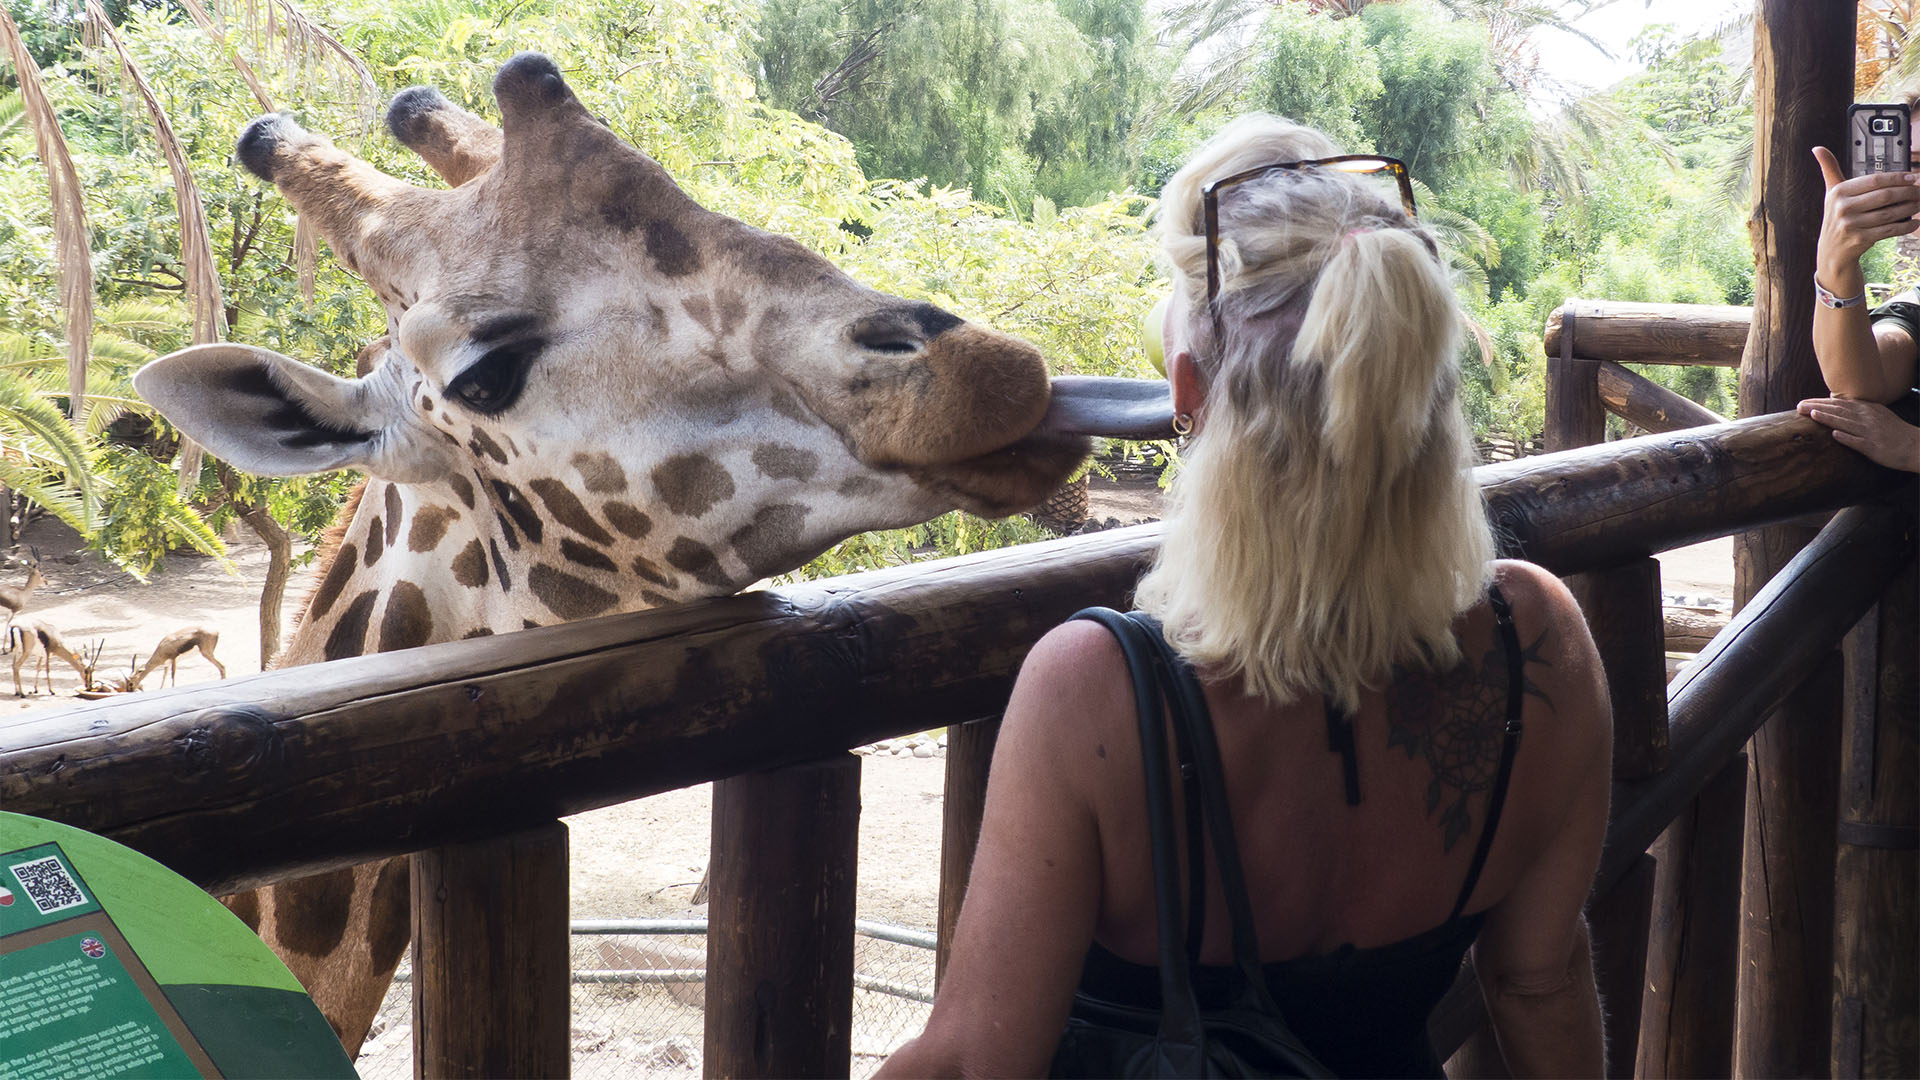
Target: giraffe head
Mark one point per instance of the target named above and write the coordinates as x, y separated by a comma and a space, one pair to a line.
621, 397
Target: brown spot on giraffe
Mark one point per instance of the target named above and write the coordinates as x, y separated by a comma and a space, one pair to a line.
337, 577
655, 599
407, 623
246, 907
426, 403
577, 552
312, 919
462, 488
567, 596
731, 309
789, 406
376, 541
651, 571
477, 632
349, 635
672, 253
566, 509
512, 450
394, 513
391, 889
480, 444
777, 462
859, 486
430, 527
690, 484
507, 531
516, 505
628, 519
701, 309
772, 538
693, 557
528, 624
715, 404
500, 567
470, 566
601, 473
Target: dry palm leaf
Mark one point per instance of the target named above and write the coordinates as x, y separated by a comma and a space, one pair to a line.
306, 48
196, 242
69, 215
205, 22
306, 255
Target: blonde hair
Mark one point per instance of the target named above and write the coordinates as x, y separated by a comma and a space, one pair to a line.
1325, 526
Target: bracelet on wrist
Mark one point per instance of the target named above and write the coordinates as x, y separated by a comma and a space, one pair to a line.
1827, 299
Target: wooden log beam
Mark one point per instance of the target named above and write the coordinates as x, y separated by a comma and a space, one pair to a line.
1648, 405
491, 989
780, 926
1619, 921
1622, 606
255, 779
1631, 333
1803, 57
969, 757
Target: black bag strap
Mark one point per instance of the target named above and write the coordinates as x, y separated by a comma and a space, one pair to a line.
1179, 1011
1516, 688
1190, 713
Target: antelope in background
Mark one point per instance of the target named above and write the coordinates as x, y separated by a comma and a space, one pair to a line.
14, 598
32, 640
171, 648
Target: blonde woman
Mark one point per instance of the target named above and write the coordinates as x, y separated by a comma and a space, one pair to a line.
1327, 568
1866, 355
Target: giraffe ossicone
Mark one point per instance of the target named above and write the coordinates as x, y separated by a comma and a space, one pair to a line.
595, 396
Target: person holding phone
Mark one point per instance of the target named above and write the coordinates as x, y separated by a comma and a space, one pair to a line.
1867, 356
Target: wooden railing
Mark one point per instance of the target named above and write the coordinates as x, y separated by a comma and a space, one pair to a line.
471, 752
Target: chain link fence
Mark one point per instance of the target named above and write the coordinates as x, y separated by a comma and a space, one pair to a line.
639, 986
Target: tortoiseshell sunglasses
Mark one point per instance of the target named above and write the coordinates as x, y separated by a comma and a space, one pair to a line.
1363, 164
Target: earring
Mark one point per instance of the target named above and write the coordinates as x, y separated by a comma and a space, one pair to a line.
1183, 424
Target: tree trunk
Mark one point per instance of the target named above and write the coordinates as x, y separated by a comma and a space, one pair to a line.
279, 563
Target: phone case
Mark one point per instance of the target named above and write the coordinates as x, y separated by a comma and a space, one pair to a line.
1878, 139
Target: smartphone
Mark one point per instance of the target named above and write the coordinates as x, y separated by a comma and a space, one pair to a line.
1879, 137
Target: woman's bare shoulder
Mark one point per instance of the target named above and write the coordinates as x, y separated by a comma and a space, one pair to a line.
1563, 664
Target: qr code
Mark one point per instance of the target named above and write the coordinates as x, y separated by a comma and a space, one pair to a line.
49, 885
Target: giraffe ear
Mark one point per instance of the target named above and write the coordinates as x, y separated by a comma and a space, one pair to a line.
274, 416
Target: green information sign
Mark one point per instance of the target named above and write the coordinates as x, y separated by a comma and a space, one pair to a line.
111, 965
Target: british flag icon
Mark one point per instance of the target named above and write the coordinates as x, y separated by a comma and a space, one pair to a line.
92, 947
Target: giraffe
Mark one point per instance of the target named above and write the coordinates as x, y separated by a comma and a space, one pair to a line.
594, 396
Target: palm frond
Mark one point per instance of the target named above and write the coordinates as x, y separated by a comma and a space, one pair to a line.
32, 419
13, 112
120, 351
206, 24
71, 237
39, 484
139, 315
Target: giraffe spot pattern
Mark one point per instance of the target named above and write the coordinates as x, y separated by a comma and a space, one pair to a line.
389, 937
858, 486
470, 566
311, 919
246, 907
651, 571
528, 624
394, 511
772, 539
789, 406
716, 405
654, 599
349, 636
506, 530
693, 557
517, 507
567, 596
426, 403
376, 541
690, 484
628, 519
500, 567
476, 632
407, 623
601, 474
512, 450
566, 509
337, 577
430, 527
463, 488
577, 552
480, 444
702, 311
672, 253
777, 462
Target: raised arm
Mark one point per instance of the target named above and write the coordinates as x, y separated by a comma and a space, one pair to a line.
1533, 955
1034, 893
1858, 359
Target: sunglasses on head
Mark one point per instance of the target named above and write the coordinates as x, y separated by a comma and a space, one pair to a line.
1360, 164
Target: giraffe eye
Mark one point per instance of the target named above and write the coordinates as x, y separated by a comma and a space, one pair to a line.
492, 383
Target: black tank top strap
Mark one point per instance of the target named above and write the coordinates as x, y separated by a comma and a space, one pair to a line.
1340, 741
1516, 688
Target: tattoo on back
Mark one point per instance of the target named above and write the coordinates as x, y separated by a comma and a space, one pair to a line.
1457, 719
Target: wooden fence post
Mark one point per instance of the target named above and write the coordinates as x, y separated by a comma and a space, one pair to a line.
1575, 416
969, 753
491, 985
1876, 1022
1619, 922
1686, 1020
780, 921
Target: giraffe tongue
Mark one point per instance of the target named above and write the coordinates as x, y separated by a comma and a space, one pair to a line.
1109, 407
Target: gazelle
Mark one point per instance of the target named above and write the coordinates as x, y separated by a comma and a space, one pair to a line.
33, 640
174, 646
14, 598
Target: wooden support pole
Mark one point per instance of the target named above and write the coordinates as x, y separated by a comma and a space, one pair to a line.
1622, 607
1803, 81
969, 753
780, 921
1634, 333
1686, 1018
1645, 403
1619, 922
491, 990
1876, 1019
1575, 416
